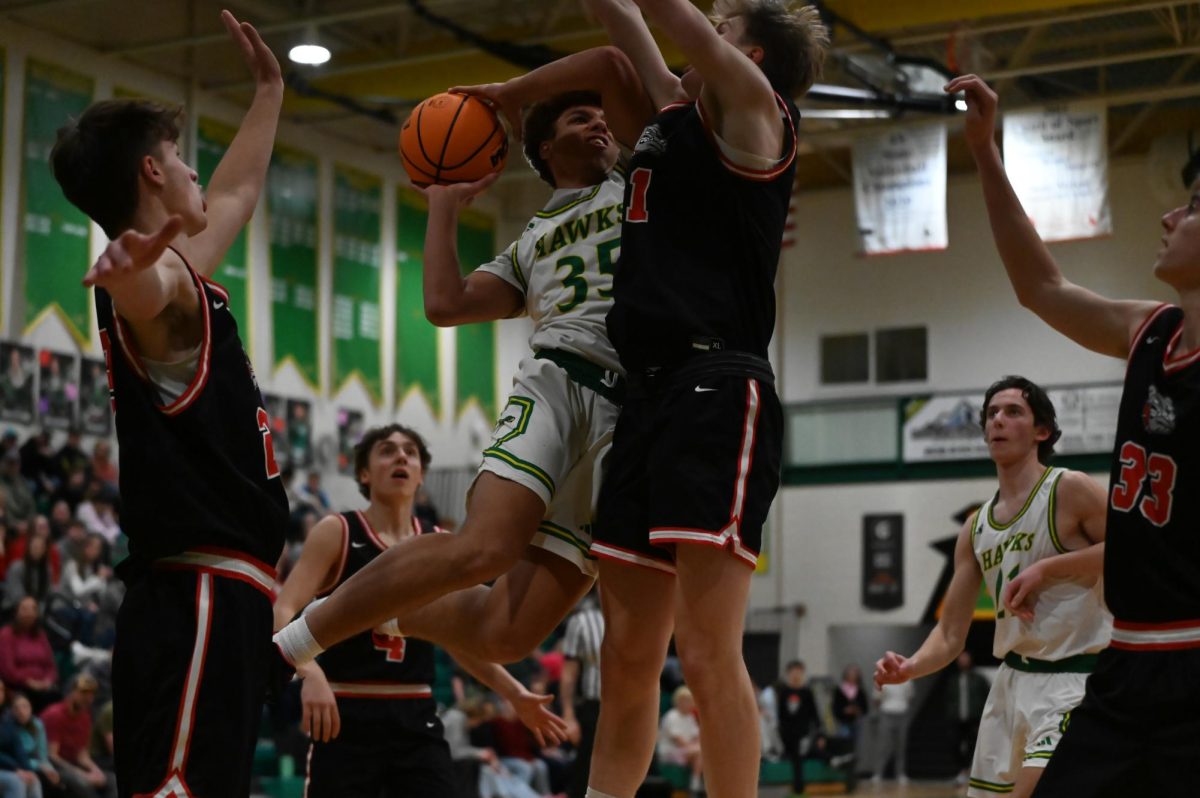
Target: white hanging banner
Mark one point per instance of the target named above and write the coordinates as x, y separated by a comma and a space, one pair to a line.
1057, 161
900, 189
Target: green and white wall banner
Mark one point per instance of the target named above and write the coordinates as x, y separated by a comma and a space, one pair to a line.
357, 326
292, 214
55, 253
476, 348
417, 367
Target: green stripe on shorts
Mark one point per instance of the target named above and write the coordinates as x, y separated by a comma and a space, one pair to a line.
990, 786
521, 465
565, 535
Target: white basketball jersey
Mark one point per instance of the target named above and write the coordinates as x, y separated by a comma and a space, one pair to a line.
1070, 618
563, 263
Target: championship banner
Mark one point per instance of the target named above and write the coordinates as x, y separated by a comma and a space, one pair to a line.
946, 427
900, 190
212, 140
292, 210
357, 324
476, 351
1057, 162
56, 233
416, 338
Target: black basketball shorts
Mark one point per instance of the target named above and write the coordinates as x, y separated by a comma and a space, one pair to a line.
695, 459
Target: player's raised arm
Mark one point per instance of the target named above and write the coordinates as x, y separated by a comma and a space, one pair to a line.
239, 178
947, 639
1103, 325
450, 298
627, 30
737, 95
604, 70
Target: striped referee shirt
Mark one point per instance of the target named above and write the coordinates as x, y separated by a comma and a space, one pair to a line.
585, 632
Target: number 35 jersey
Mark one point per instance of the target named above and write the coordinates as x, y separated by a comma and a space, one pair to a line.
563, 265
1069, 617
1152, 559
197, 470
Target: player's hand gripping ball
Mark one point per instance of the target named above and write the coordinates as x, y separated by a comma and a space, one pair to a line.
452, 138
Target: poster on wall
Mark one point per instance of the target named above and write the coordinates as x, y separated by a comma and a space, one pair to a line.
58, 389
900, 189
95, 408
946, 427
299, 433
357, 260
350, 429
1057, 161
883, 561
292, 211
416, 345
475, 366
16, 383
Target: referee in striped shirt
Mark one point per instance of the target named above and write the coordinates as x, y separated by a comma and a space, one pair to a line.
580, 687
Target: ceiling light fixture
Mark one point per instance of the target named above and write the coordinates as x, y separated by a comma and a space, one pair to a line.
309, 52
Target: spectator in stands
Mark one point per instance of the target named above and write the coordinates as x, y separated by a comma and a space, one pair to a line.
26, 659
895, 701
85, 579
849, 703
518, 750
8, 442
103, 466
798, 720
68, 729
494, 781
679, 736
71, 545
31, 575
424, 509
17, 779
19, 503
98, 512
32, 734
100, 745
37, 463
70, 458
312, 494
60, 516
966, 693
72, 490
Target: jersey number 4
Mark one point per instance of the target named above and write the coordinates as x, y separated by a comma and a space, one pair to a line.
392, 646
1138, 466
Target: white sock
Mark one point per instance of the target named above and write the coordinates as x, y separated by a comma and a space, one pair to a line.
297, 643
592, 792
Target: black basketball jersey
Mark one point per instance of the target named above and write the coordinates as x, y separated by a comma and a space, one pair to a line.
700, 242
368, 664
199, 472
1152, 556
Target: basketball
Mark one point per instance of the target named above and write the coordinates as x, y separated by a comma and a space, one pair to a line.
452, 138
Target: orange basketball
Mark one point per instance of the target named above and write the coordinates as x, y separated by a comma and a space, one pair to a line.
452, 138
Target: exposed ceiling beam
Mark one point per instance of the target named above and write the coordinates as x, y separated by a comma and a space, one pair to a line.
1146, 113
1088, 63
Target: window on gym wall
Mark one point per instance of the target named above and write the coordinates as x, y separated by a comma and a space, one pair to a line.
845, 359
901, 354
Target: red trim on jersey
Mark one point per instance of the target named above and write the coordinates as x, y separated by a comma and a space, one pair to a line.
1168, 636
173, 786
1155, 646
328, 587
221, 290
234, 554
763, 175
1133, 626
613, 553
376, 690
374, 536
1141, 331
1177, 362
678, 104
308, 769
660, 536
261, 578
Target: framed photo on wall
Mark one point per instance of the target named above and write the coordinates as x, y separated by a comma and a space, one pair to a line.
17, 376
58, 389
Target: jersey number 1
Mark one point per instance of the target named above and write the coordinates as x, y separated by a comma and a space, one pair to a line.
1136, 466
640, 181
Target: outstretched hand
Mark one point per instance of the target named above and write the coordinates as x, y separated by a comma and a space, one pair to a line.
980, 121
892, 668
130, 253
497, 96
259, 58
533, 710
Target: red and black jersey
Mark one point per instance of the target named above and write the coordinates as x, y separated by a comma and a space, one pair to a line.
371, 664
199, 472
1152, 557
700, 242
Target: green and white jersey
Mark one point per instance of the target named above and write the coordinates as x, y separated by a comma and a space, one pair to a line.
563, 263
1070, 618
